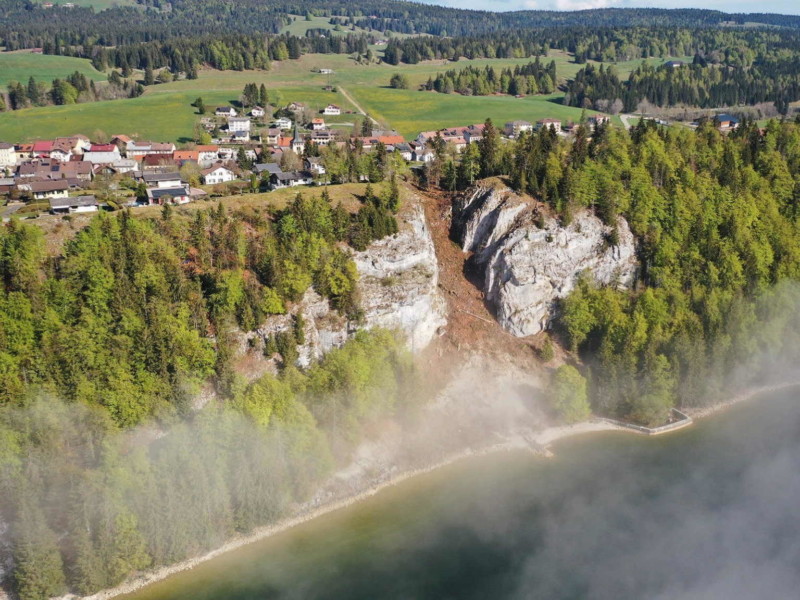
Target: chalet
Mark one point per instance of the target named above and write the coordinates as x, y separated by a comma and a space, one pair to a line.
166, 195
272, 136
8, 155
332, 110
283, 123
726, 122
102, 154
42, 190
554, 124
207, 155
76, 204
239, 124
225, 111
315, 165
162, 180
291, 179
514, 128
217, 174
317, 124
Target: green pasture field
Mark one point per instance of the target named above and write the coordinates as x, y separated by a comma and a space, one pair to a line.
98, 5
19, 66
164, 112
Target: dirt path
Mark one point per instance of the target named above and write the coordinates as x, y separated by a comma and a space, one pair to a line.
359, 108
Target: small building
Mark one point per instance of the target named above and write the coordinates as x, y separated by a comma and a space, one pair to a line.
317, 124
283, 123
239, 124
44, 190
8, 155
726, 122
554, 124
257, 112
514, 128
674, 64
331, 110
291, 179
296, 107
405, 150
76, 204
162, 180
169, 195
315, 165
225, 111
326, 71
217, 174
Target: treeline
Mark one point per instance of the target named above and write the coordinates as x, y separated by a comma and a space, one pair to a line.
773, 79
533, 78
136, 314
717, 221
88, 504
70, 90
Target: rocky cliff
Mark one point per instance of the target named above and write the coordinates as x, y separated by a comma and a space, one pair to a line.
398, 288
530, 261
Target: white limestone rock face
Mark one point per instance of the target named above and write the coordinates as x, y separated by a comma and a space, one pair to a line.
529, 265
399, 282
398, 289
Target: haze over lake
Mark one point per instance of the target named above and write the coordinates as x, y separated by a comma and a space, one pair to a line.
709, 512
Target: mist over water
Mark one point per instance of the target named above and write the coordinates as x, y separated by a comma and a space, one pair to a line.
708, 512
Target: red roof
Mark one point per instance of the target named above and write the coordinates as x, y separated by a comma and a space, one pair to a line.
102, 148
285, 142
45, 146
207, 148
186, 155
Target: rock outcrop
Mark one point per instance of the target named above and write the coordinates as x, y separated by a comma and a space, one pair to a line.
530, 262
398, 289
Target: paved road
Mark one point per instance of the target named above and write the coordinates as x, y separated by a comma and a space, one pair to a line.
625, 121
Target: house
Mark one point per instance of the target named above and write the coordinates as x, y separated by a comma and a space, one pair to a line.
225, 111
102, 154
315, 165
240, 136
332, 110
62, 149
42, 190
726, 122
296, 107
217, 174
162, 180
283, 123
272, 136
554, 124
598, 120
24, 151
514, 128
207, 155
239, 124
257, 112
184, 156
42, 149
405, 150
76, 204
423, 154
162, 148
6, 185
291, 179
169, 195
159, 163
322, 138
674, 64
317, 124
137, 149
82, 170
8, 155
268, 168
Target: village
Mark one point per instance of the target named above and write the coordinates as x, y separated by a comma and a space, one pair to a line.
247, 152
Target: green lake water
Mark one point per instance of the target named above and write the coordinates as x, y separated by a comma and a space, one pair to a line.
706, 512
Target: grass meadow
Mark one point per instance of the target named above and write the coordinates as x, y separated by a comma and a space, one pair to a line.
19, 66
164, 112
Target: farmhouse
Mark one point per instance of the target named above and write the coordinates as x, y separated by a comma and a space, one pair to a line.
331, 110
76, 204
225, 111
217, 174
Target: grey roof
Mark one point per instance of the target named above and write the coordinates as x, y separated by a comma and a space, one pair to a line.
293, 175
171, 192
161, 176
271, 168
75, 201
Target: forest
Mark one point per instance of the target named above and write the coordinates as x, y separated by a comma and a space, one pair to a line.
717, 222
765, 78
533, 78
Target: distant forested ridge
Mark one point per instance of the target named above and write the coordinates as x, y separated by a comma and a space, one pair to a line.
533, 78
747, 78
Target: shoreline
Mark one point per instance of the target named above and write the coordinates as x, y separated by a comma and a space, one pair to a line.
535, 442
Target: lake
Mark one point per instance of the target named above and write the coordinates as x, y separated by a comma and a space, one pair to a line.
706, 512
